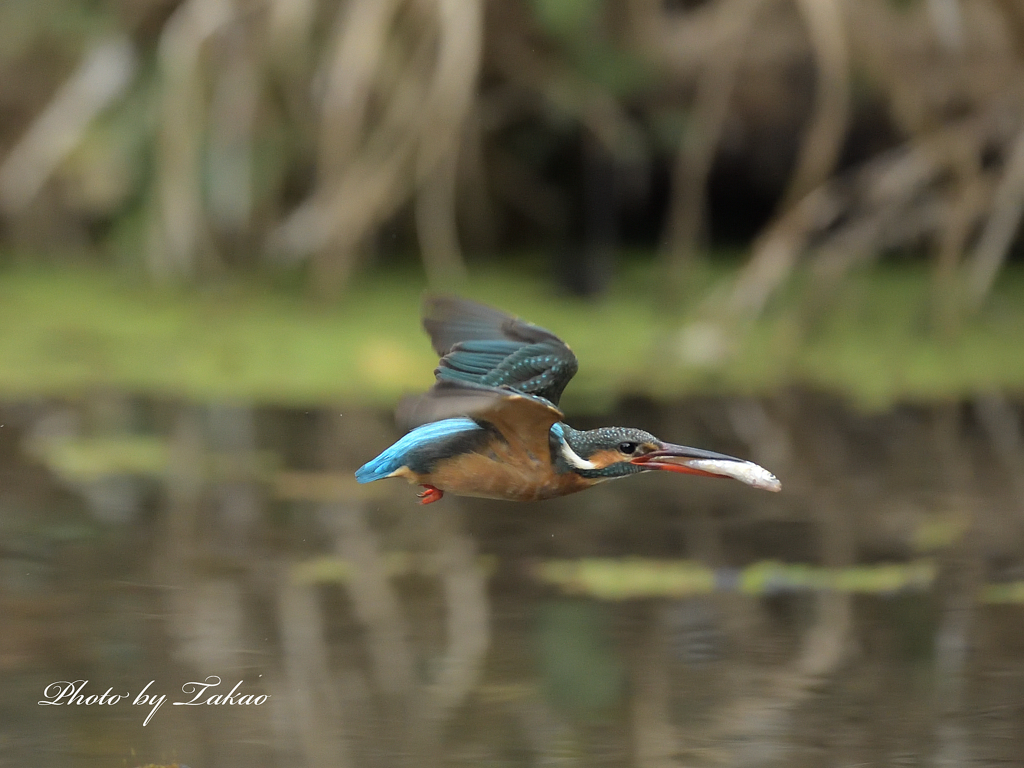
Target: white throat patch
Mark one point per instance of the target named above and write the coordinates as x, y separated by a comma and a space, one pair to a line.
575, 459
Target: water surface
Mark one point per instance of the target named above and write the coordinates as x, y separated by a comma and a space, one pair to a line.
868, 615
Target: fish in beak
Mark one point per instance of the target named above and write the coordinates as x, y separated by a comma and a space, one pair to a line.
694, 461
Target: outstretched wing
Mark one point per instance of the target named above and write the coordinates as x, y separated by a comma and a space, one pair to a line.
484, 346
522, 420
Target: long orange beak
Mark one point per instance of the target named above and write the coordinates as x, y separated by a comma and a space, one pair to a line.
695, 461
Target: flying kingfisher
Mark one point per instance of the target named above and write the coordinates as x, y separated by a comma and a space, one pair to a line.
491, 427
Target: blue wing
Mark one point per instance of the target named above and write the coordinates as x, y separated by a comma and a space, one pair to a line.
517, 419
420, 448
484, 346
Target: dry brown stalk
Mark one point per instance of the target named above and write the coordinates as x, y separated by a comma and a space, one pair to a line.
888, 202
178, 232
101, 78
1003, 222
699, 145
823, 140
368, 168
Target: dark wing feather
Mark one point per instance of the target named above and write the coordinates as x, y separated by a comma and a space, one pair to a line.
523, 420
449, 399
482, 345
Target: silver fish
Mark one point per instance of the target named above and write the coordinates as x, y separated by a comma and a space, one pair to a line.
745, 471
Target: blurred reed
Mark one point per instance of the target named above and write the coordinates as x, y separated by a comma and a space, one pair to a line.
299, 133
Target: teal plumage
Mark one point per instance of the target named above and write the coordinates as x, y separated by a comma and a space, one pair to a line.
421, 447
480, 345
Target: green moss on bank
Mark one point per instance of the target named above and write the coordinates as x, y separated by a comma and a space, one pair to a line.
69, 332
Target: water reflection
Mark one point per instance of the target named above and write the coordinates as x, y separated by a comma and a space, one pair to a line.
871, 614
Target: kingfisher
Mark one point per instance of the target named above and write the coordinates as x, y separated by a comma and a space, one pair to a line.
490, 426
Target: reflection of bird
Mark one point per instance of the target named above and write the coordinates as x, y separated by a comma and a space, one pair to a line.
490, 426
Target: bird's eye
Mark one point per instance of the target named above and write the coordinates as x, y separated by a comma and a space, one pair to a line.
627, 448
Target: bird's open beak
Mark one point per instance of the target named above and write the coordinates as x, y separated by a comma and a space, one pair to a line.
694, 461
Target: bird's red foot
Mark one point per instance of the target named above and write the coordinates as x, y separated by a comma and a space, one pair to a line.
430, 494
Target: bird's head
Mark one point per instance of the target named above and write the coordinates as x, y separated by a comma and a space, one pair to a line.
609, 452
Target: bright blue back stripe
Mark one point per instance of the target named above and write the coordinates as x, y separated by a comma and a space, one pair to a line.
396, 456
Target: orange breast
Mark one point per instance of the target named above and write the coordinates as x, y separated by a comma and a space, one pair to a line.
500, 472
